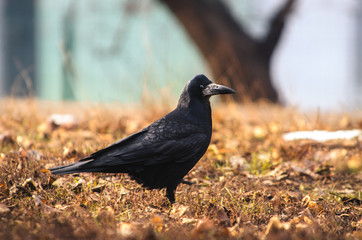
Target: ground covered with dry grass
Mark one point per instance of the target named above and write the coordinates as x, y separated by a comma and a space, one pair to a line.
251, 184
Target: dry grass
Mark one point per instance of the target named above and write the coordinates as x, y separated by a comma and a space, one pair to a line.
249, 185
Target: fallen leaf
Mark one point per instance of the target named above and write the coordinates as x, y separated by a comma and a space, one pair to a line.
99, 188
305, 172
305, 201
30, 184
44, 170
178, 210
3, 208
126, 230
23, 153
277, 203
189, 220
203, 227
41, 203
259, 132
275, 230
237, 162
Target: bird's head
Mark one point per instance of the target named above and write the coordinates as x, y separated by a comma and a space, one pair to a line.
200, 87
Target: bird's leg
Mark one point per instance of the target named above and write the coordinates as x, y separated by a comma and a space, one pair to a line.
186, 182
170, 194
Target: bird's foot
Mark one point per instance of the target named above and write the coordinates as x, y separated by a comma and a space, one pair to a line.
170, 194
187, 182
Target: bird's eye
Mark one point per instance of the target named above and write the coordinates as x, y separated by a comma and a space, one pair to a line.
202, 86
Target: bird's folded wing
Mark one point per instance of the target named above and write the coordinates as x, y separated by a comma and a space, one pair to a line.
131, 142
174, 150
149, 147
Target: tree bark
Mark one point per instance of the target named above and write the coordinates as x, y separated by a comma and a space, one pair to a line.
235, 58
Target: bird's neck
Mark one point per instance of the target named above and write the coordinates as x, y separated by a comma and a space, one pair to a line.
197, 110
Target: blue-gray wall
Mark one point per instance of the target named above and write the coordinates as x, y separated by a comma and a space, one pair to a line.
111, 50
17, 58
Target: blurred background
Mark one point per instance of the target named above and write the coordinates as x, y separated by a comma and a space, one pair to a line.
305, 53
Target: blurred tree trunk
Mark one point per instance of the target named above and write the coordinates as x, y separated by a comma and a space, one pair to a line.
235, 58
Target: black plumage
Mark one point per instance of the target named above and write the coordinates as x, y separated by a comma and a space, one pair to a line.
160, 155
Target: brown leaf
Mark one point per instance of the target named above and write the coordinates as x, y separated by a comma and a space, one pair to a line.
305, 172
6, 138
99, 188
178, 210
41, 203
3, 208
203, 227
23, 153
126, 230
4, 188
44, 170
30, 184
305, 201
275, 230
277, 203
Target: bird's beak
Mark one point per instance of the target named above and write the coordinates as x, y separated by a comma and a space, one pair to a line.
215, 89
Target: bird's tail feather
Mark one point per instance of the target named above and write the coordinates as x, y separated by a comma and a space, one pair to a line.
76, 167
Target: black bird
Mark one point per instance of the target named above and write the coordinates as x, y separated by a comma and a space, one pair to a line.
160, 155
